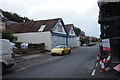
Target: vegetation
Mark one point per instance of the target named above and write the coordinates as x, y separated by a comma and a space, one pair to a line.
84, 41
94, 40
7, 34
14, 17
78, 31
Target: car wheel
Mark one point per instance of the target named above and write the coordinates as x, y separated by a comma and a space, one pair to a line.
62, 53
69, 52
52, 54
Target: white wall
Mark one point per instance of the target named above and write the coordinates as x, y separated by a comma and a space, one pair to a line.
36, 37
108, 0
78, 41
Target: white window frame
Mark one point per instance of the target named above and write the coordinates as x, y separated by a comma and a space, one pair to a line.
42, 28
71, 31
59, 28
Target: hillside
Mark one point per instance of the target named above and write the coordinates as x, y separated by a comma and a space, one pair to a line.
14, 16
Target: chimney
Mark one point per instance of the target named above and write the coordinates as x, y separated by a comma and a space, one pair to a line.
0, 10
23, 20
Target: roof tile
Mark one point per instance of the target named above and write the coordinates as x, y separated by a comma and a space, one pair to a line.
33, 26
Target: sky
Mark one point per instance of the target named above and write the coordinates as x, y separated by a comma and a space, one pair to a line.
82, 13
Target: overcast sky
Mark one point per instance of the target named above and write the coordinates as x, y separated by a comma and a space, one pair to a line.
81, 13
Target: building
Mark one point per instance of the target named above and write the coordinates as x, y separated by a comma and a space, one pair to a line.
72, 35
2, 23
52, 32
109, 20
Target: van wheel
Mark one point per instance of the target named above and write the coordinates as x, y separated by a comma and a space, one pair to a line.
3, 68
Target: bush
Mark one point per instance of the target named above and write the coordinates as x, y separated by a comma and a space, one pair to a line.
7, 34
17, 44
38, 46
81, 45
32, 47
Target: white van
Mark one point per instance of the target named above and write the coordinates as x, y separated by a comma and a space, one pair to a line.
6, 58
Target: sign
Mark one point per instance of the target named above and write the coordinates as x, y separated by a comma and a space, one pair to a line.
98, 41
106, 45
117, 68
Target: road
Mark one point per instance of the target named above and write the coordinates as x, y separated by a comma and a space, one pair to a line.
79, 64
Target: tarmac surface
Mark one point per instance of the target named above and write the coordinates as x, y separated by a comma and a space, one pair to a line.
81, 63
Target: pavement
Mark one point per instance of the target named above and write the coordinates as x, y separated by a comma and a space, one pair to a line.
20, 59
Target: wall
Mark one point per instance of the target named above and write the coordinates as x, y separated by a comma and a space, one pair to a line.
63, 30
73, 31
108, 0
36, 37
78, 41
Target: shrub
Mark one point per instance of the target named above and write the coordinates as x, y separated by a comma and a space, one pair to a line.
7, 34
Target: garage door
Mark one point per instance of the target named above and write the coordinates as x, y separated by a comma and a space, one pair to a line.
69, 42
58, 41
54, 41
62, 40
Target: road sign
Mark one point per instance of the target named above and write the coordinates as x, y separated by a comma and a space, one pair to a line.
106, 45
117, 68
98, 41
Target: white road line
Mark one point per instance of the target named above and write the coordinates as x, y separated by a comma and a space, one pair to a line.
96, 64
20, 69
93, 73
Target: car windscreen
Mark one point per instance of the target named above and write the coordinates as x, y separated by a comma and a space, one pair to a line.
60, 46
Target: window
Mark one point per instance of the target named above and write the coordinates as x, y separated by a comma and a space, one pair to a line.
71, 31
59, 46
42, 28
59, 28
65, 46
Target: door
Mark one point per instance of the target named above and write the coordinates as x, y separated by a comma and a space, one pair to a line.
54, 41
71, 42
66, 49
62, 40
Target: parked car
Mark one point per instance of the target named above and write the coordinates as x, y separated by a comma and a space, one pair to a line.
6, 58
91, 44
60, 49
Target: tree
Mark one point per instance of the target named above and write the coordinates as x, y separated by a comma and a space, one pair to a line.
87, 40
78, 30
7, 34
83, 40
94, 40
14, 16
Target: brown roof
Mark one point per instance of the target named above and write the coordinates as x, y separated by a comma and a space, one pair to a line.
68, 26
33, 26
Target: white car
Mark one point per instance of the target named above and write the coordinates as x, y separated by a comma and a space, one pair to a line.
6, 58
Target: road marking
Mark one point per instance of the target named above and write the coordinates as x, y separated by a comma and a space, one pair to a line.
93, 73
96, 64
20, 69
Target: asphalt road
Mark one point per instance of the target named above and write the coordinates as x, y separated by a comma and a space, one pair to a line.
79, 64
